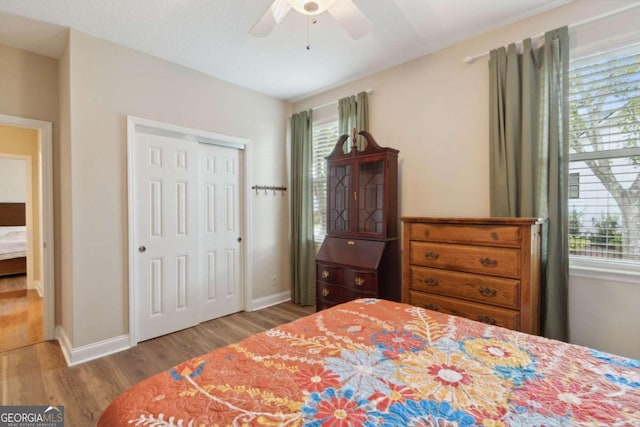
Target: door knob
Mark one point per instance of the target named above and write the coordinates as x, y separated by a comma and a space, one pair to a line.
142, 248
239, 239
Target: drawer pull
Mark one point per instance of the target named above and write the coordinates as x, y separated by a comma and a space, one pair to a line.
431, 307
487, 319
488, 262
431, 281
359, 281
431, 255
325, 274
426, 232
494, 235
325, 292
350, 242
488, 292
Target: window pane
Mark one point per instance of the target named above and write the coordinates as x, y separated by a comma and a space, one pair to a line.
604, 169
325, 136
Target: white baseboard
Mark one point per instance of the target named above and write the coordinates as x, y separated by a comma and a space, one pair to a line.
38, 285
65, 344
85, 353
269, 300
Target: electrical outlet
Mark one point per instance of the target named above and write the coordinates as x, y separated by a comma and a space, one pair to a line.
273, 281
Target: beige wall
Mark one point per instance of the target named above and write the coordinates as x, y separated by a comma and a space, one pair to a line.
87, 94
29, 89
107, 83
62, 200
435, 111
603, 313
28, 85
13, 179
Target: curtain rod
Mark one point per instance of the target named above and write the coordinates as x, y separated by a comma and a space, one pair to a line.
333, 102
473, 58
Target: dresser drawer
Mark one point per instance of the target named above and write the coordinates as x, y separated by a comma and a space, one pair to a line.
484, 289
493, 235
503, 262
482, 313
360, 281
329, 274
334, 294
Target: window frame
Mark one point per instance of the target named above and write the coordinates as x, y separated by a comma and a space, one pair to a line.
587, 267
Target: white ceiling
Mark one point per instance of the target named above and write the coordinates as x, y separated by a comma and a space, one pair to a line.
211, 36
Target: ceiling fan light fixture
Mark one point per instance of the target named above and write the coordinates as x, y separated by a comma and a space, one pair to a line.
311, 7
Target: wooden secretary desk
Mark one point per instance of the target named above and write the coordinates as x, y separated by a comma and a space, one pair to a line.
360, 255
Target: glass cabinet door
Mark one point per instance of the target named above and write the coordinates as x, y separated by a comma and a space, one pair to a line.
339, 191
371, 197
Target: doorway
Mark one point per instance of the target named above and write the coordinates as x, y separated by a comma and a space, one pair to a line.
20, 302
185, 227
26, 303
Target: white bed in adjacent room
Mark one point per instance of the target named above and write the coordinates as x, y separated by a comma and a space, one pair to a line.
13, 242
13, 239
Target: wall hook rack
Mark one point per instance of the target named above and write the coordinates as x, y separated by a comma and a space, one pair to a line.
267, 188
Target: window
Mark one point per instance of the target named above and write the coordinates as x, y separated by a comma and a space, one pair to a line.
604, 157
325, 135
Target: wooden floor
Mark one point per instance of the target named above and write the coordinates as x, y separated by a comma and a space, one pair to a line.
38, 375
21, 313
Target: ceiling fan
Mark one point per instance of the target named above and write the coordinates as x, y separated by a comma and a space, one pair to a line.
344, 11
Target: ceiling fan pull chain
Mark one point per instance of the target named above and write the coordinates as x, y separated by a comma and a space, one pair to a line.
309, 32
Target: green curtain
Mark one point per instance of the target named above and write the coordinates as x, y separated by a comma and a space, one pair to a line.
529, 152
353, 112
303, 268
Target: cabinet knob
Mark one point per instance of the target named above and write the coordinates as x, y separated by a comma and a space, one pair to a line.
488, 262
325, 274
325, 292
431, 307
431, 281
431, 255
488, 292
359, 281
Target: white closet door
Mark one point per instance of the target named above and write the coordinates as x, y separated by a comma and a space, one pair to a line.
166, 234
220, 240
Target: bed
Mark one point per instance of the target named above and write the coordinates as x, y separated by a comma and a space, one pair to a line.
373, 362
13, 239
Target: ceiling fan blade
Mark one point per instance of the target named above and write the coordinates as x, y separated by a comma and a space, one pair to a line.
272, 16
422, 18
351, 18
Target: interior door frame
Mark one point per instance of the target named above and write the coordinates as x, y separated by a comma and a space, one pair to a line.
45, 216
136, 125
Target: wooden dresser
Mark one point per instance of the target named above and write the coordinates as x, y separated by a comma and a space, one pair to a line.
360, 256
485, 269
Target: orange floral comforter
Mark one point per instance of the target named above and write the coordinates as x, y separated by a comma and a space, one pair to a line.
371, 362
